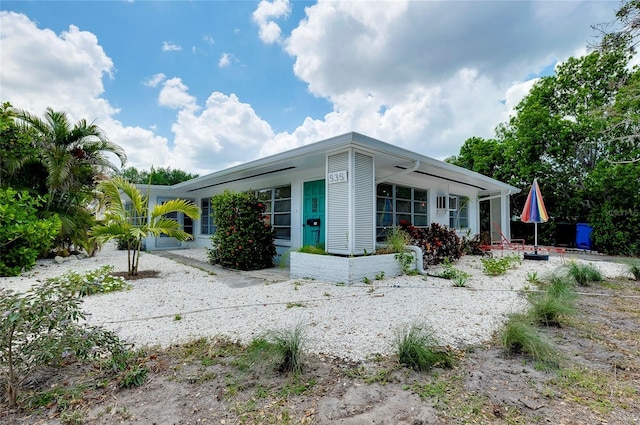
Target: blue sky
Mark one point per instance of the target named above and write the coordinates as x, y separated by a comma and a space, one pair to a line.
203, 85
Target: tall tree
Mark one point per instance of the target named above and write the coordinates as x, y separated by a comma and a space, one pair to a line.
162, 176
68, 162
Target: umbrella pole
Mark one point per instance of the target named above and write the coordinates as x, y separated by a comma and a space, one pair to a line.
535, 232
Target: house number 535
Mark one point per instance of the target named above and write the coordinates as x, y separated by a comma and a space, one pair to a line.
338, 177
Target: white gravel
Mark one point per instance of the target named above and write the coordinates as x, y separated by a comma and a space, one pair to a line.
352, 322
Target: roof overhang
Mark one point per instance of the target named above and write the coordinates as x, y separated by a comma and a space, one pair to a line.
389, 160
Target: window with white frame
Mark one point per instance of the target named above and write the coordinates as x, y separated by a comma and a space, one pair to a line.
207, 225
277, 201
458, 212
396, 203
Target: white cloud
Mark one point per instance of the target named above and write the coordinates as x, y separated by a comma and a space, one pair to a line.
226, 59
155, 80
427, 75
269, 31
168, 46
225, 133
174, 95
66, 75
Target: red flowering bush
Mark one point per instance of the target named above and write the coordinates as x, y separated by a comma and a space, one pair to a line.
243, 240
436, 241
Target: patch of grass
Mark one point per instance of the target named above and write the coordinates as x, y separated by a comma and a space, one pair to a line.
430, 390
380, 376
297, 387
520, 336
418, 349
633, 267
549, 310
397, 239
312, 249
62, 397
593, 388
584, 273
294, 304
289, 344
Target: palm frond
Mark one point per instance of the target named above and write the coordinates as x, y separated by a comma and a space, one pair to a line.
188, 208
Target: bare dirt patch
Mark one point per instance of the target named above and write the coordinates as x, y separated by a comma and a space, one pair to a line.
217, 382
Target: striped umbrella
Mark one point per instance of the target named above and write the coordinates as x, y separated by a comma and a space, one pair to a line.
534, 210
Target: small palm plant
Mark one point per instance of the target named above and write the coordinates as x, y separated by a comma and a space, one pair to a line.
133, 221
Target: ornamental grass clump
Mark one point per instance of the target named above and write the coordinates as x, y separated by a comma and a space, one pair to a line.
419, 350
289, 344
634, 268
520, 336
584, 273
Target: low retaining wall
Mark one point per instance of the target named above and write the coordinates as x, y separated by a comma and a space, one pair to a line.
348, 270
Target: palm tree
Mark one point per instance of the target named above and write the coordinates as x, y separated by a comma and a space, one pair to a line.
69, 161
133, 222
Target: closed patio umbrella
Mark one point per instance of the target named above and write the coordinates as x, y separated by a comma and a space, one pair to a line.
534, 211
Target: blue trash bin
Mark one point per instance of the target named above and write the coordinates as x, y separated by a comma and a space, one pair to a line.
583, 236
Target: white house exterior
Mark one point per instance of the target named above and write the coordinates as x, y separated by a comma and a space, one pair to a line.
343, 193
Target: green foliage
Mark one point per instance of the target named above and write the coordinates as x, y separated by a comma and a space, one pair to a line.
95, 281
289, 344
569, 132
64, 161
406, 260
584, 273
133, 222
550, 308
397, 240
243, 240
634, 268
133, 376
436, 241
449, 271
418, 349
43, 327
494, 266
615, 208
159, 176
23, 237
519, 336
312, 249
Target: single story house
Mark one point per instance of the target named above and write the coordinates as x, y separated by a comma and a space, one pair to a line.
344, 193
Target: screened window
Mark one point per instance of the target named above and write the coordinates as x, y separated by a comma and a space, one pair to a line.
458, 212
207, 226
396, 203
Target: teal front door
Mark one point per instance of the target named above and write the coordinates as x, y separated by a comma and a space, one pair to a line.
313, 219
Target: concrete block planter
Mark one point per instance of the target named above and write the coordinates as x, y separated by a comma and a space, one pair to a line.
348, 270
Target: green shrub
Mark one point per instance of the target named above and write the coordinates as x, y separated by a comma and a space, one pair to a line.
519, 336
243, 239
93, 282
44, 327
419, 350
23, 236
584, 273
